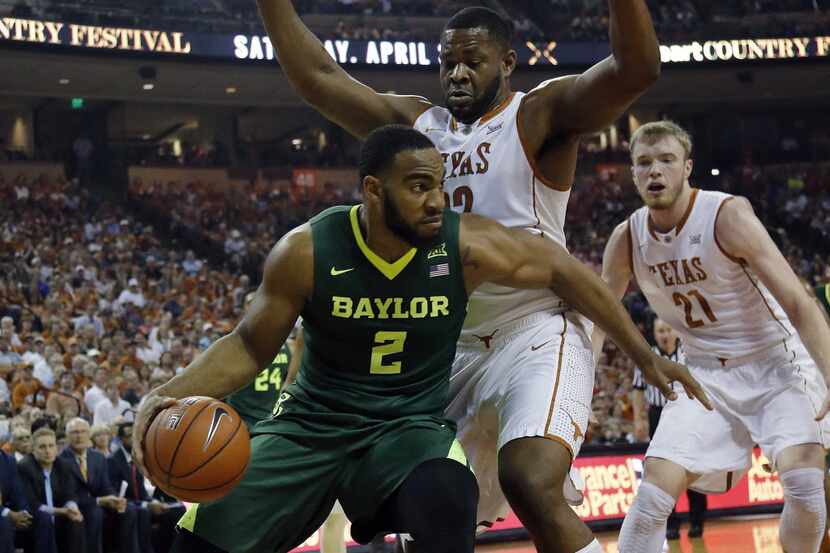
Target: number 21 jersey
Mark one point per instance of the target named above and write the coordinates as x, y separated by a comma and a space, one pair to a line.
713, 300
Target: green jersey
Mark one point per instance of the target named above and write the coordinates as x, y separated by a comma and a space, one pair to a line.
823, 295
380, 337
256, 401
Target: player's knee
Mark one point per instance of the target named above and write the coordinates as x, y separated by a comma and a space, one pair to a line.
453, 490
519, 479
804, 488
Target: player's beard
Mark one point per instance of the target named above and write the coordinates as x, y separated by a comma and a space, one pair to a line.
395, 223
479, 107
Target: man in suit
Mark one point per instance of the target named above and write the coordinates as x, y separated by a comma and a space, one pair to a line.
52, 496
101, 507
15, 516
156, 537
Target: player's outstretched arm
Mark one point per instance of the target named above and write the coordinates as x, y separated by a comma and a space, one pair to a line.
324, 84
742, 235
616, 272
519, 259
233, 361
580, 104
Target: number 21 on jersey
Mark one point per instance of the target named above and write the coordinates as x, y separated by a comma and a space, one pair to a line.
685, 301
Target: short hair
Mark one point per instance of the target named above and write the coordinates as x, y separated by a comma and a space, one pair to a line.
74, 422
498, 27
384, 143
99, 429
43, 431
654, 131
21, 432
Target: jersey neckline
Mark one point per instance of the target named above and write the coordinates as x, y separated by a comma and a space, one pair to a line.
661, 236
389, 270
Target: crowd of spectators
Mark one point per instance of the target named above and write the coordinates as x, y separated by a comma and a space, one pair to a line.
94, 311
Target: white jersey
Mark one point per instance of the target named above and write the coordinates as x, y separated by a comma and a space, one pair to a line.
716, 304
489, 173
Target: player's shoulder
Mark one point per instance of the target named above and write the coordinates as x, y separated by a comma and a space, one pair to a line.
294, 249
337, 211
548, 92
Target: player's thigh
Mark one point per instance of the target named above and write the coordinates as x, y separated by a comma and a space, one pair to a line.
285, 495
402, 445
713, 444
550, 390
787, 417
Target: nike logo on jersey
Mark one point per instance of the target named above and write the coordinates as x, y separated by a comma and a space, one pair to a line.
695, 240
337, 272
214, 425
540, 346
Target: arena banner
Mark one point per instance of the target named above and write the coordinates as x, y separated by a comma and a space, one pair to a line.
612, 480
253, 48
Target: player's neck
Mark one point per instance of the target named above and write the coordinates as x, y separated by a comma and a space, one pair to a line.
665, 220
383, 242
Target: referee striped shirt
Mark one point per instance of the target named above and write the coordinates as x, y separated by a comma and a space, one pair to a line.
652, 393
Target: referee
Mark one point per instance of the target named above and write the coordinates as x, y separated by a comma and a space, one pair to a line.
668, 345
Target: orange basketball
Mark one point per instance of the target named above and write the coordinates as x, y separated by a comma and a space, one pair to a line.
197, 450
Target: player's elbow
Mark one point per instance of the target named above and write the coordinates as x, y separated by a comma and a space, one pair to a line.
639, 74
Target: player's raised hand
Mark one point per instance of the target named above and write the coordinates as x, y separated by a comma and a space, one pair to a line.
662, 372
825, 408
147, 410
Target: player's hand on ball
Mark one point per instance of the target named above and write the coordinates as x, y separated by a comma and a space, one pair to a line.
825, 407
662, 372
152, 405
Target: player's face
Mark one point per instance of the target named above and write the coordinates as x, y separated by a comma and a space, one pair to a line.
413, 196
660, 171
474, 69
664, 335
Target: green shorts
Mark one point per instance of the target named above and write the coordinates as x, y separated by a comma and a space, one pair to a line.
307, 457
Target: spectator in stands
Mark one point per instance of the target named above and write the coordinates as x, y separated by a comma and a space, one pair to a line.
7, 329
112, 406
123, 469
97, 498
235, 244
97, 392
101, 437
65, 402
21, 442
132, 295
28, 390
16, 515
191, 265
41, 470
9, 359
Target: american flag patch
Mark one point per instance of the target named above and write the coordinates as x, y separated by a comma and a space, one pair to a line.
442, 269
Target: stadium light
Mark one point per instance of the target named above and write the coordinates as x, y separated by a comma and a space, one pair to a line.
63, 81
148, 86
715, 172
230, 90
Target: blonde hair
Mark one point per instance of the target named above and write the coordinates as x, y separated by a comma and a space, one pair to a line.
654, 131
43, 431
99, 429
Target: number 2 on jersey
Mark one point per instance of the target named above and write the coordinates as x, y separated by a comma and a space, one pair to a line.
386, 343
686, 303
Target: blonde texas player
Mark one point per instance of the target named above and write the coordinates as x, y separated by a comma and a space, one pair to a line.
523, 377
708, 267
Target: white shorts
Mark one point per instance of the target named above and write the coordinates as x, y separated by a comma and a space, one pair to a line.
816, 387
758, 399
536, 378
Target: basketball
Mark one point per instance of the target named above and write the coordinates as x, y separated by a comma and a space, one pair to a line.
197, 450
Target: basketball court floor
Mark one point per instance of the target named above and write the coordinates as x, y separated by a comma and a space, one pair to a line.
736, 535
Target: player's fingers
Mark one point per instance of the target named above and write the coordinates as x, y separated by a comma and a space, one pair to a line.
146, 414
664, 385
693, 388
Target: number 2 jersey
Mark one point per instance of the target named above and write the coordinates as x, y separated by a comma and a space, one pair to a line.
489, 173
380, 337
713, 300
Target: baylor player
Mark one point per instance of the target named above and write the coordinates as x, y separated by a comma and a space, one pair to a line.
382, 288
